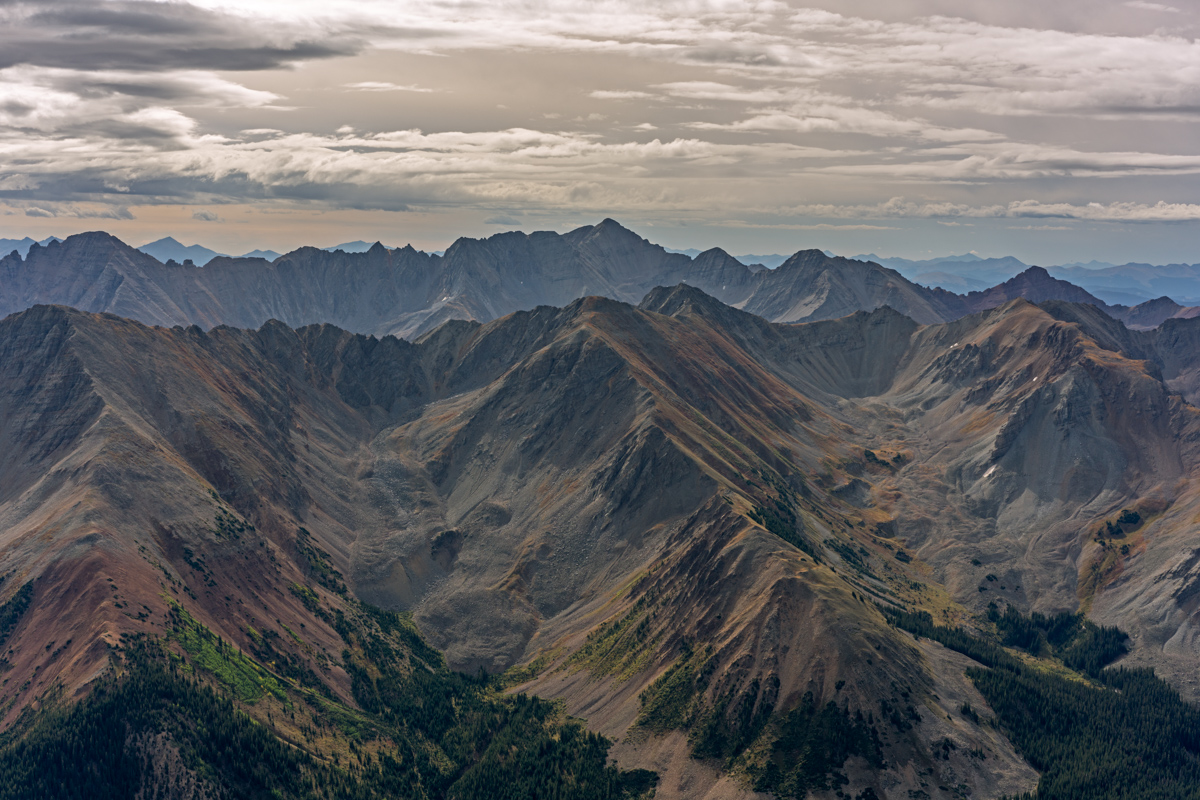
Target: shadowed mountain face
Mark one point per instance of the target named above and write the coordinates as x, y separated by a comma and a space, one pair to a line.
606, 493
1033, 284
407, 293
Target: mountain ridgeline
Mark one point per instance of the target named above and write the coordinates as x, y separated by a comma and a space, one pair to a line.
690, 526
406, 292
876, 554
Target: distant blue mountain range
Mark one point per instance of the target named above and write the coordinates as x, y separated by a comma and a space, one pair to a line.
170, 249
1126, 284
269, 255
22, 245
769, 261
353, 247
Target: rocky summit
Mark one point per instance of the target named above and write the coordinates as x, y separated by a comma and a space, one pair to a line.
842, 557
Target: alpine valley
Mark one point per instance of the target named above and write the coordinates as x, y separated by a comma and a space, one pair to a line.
572, 516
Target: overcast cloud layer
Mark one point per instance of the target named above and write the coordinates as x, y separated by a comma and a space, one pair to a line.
1052, 134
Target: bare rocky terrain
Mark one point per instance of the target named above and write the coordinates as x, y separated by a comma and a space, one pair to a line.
597, 494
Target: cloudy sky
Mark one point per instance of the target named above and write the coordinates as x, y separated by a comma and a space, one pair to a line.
1053, 131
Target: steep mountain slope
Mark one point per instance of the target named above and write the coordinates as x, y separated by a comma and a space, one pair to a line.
812, 286
542, 484
678, 518
1022, 424
134, 461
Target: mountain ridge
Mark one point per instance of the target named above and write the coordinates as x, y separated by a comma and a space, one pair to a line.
600, 493
406, 292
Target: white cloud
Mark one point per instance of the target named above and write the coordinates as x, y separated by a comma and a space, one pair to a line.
397, 168
993, 161
79, 211
935, 60
48, 100
385, 86
604, 94
797, 226
901, 208
710, 90
1142, 4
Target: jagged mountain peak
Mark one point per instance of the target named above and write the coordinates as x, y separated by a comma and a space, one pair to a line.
1035, 273
713, 253
609, 227
609, 236
665, 299
1038, 284
1032, 276
809, 258
684, 299
91, 238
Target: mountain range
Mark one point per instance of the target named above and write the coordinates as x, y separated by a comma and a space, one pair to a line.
169, 249
407, 292
21, 246
769, 532
1127, 284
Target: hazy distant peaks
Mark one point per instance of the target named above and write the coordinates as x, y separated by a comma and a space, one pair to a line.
896, 262
22, 245
770, 261
358, 246
169, 249
269, 255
